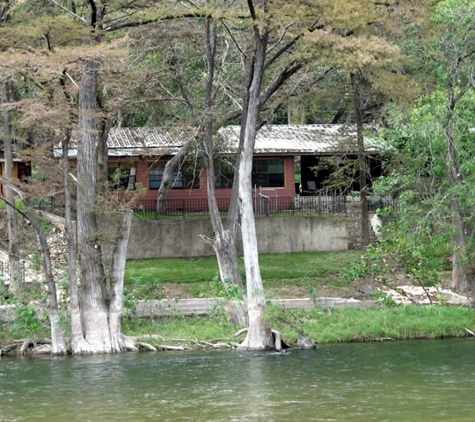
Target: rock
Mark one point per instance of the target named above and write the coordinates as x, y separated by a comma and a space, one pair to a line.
417, 295
305, 342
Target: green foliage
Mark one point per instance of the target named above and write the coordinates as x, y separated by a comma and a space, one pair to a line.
27, 320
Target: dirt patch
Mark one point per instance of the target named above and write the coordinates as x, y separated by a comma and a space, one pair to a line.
176, 291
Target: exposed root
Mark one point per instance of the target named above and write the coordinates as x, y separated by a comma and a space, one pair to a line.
145, 347
278, 340
241, 332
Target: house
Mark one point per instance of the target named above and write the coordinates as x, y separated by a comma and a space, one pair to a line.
139, 155
21, 169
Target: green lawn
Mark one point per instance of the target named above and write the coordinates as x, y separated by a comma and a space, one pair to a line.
277, 270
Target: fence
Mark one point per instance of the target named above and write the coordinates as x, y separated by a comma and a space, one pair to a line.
264, 204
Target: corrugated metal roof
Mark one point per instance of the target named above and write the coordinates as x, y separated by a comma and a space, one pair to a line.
145, 137
301, 139
270, 140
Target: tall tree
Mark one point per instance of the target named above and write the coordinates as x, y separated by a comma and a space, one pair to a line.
435, 146
14, 260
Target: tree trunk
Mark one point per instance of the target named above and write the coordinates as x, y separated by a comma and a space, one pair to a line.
460, 280
367, 284
224, 241
93, 302
57, 330
117, 279
259, 335
167, 179
78, 344
14, 260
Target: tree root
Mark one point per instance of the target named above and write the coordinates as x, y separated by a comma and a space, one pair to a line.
240, 332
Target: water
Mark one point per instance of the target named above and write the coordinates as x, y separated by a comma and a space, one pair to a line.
395, 381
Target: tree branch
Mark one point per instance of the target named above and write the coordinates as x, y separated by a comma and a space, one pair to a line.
68, 11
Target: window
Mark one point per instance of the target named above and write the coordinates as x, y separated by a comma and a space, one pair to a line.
268, 173
265, 174
224, 175
121, 176
186, 178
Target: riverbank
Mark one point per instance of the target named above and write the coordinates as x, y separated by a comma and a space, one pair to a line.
323, 324
305, 292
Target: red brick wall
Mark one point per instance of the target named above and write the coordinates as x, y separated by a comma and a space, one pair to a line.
287, 191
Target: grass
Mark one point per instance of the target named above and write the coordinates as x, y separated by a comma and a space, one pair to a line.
337, 326
299, 269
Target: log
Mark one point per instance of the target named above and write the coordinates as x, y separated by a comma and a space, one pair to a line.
221, 346
179, 348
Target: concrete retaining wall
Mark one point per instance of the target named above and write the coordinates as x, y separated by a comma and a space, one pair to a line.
181, 238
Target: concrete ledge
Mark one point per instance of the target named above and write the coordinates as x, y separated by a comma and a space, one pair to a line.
191, 307
325, 302
184, 307
203, 307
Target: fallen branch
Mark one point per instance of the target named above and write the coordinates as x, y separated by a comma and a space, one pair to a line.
469, 331
221, 346
179, 348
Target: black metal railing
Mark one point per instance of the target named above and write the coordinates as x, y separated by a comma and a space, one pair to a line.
263, 205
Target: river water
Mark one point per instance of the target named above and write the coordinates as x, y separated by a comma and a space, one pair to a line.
391, 381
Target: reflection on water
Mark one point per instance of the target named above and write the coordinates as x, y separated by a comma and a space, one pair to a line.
397, 381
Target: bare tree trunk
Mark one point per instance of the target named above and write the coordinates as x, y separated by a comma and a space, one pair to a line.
362, 165
57, 331
367, 284
224, 241
14, 260
78, 344
93, 301
259, 335
460, 279
117, 280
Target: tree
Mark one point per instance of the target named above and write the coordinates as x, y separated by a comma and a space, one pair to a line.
435, 142
96, 321
57, 329
14, 260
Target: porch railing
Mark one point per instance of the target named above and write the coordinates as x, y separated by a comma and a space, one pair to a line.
264, 204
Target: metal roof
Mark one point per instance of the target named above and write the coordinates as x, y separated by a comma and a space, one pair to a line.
270, 140
302, 139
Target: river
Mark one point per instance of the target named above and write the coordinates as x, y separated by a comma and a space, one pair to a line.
391, 381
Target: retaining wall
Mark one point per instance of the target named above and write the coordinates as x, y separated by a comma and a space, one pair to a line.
181, 238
